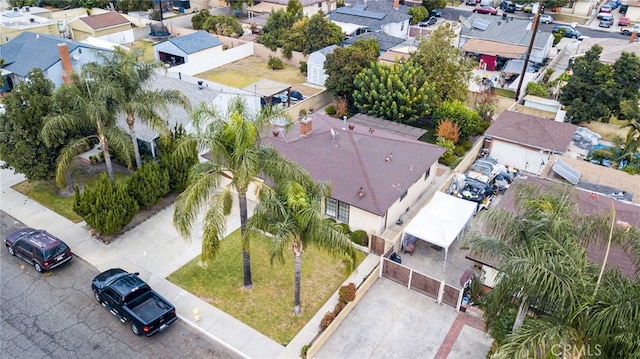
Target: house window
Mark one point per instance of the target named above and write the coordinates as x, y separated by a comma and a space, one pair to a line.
402, 26
338, 210
426, 174
403, 195
319, 5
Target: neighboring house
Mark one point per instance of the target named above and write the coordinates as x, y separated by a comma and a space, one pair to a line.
309, 7
385, 41
385, 16
376, 175
30, 50
315, 65
588, 202
611, 48
32, 19
401, 52
495, 40
527, 142
110, 26
195, 47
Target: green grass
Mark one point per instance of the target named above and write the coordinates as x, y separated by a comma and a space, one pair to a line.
46, 193
504, 93
147, 50
246, 71
268, 306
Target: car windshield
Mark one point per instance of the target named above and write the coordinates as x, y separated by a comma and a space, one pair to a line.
55, 251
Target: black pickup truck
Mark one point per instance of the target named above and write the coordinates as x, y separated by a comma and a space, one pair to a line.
132, 301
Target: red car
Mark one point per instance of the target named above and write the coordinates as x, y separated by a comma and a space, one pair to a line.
624, 21
486, 10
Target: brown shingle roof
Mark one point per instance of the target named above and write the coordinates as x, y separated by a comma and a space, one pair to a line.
357, 158
103, 21
532, 131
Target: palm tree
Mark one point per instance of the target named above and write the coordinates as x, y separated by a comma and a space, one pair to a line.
292, 215
237, 159
139, 102
544, 268
85, 107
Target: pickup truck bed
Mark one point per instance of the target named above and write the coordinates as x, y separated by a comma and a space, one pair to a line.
149, 307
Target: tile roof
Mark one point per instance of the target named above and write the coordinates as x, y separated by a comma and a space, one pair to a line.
357, 158
532, 131
195, 42
512, 32
385, 41
19, 52
103, 21
385, 7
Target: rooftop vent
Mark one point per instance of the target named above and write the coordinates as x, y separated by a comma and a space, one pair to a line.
27, 9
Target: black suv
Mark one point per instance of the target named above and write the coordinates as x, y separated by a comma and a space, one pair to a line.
568, 31
39, 248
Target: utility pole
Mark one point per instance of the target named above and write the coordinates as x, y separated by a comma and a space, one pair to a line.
534, 31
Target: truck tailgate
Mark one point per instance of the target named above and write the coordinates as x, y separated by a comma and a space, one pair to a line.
150, 307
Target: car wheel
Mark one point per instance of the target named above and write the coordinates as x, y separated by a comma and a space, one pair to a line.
135, 330
97, 296
38, 267
11, 251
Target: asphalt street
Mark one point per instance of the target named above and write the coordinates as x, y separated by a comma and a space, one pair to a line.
54, 315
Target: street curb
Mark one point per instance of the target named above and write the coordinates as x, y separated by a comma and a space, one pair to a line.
212, 337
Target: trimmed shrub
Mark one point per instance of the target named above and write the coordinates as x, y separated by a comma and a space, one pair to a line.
466, 144
338, 308
326, 320
360, 237
302, 113
330, 110
303, 67
149, 184
459, 151
448, 130
177, 162
275, 63
345, 228
305, 349
107, 208
347, 293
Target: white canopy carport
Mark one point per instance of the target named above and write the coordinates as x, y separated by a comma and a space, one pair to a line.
441, 221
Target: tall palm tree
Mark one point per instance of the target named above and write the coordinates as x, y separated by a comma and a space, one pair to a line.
85, 107
237, 159
292, 215
139, 101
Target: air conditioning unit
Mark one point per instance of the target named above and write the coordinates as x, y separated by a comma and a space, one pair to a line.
27, 9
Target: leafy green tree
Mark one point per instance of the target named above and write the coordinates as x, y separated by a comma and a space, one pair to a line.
177, 163
198, 20
344, 63
107, 207
469, 121
417, 13
322, 33
552, 4
293, 216
434, 4
148, 184
543, 267
590, 89
237, 159
138, 102
397, 93
626, 76
223, 25
536, 89
87, 106
278, 24
444, 66
294, 7
21, 147
133, 5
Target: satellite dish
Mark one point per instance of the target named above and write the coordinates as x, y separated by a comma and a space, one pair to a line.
76, 57
464, 21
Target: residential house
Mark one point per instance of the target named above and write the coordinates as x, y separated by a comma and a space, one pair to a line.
110, 26
376, 175
196, 47
527, 142
496, 39
386, 42
32, 19
315, 65
49, 53
612, 48
385, 16
309, 7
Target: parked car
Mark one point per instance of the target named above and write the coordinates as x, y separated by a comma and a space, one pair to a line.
603, 14
624, 21
297, 95
547, 19
606, 21
519, 7
486, 10
39, 248
628, 30
435, 12
428, 22
613, 4
472, 2
623, 8
508, 6
132, 301
568, 31
605, 8
528, 8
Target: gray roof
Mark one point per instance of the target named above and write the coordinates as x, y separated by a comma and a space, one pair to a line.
385, 41
286, 2
30, 50
512, 31
195, 42
370, 14
327, 50
532, 131
354, 159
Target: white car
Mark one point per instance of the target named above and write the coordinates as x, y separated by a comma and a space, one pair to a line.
547, 19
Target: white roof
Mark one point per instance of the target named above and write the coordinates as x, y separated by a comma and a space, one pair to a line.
348, 28
441, 220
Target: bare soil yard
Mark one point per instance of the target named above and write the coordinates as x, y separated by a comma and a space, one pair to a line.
244, 72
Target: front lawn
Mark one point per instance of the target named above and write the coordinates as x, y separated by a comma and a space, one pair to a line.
268, 306
246, 71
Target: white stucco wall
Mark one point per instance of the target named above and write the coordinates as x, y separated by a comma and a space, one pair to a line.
120, 38
212, 58
397, 29
523, 158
